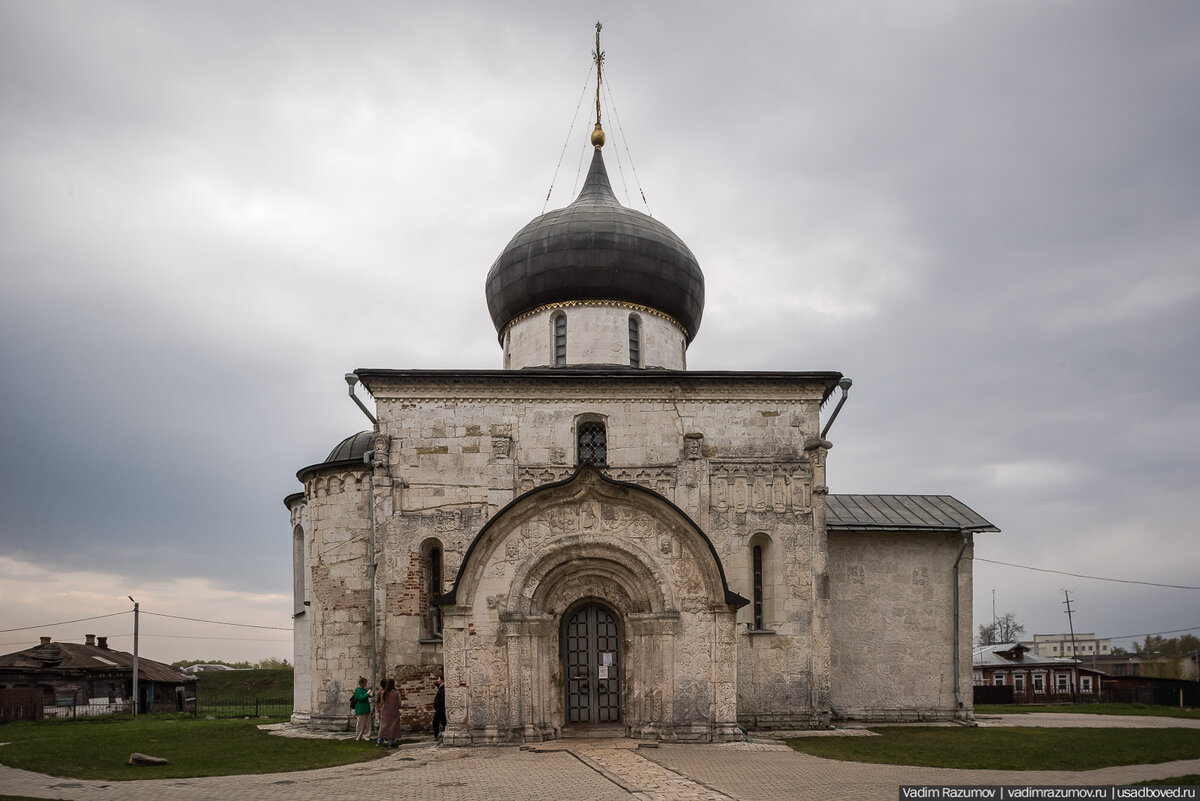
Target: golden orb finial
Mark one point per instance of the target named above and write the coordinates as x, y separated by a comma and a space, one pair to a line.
598, 137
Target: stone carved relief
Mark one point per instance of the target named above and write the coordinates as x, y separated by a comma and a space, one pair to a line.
661, 479
538, 475
501, 447
755, 487
448, 521
379, 458
299, 516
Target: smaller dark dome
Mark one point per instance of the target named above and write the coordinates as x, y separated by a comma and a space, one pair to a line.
352, 447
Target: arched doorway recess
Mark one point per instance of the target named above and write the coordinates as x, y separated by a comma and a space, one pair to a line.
591, 638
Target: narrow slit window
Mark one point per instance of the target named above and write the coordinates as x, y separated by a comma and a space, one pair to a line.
433, 620
560, 340
758, 588
592, 444
635, 342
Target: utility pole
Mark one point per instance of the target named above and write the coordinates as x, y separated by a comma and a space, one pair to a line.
1074, 653
135, 655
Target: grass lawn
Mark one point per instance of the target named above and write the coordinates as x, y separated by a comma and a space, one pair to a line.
100, 749
1008, 748
1091, 709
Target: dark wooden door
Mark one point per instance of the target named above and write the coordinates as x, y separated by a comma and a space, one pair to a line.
593, 665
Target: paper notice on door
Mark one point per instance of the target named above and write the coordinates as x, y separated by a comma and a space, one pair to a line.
603, 672
606, 658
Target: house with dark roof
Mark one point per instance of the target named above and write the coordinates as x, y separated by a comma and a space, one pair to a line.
90, 678
1033, 679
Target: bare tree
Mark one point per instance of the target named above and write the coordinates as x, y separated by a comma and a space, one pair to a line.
1003, 630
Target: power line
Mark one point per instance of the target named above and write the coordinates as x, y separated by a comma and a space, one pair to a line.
217, 622
63, 623
195, 637
1147, 634
144, 612
1081, 575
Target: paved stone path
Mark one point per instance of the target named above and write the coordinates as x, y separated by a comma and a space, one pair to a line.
619, 770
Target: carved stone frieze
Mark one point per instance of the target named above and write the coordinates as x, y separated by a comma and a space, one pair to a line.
784, 487
533, 476
660, 478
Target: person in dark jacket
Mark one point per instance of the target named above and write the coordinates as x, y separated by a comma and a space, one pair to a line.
439, 708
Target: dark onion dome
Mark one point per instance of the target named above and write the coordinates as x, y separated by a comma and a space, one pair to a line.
596, 249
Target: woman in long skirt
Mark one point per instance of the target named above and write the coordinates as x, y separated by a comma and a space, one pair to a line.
389, 714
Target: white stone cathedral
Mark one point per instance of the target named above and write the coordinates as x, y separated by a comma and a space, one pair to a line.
595, 537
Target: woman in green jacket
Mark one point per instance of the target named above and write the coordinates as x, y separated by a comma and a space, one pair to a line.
361, 703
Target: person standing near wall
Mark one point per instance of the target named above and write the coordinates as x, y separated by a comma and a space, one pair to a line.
439, 708
389, 714
361, 704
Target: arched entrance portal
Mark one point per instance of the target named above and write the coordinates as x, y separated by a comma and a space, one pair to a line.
592, 665
590, 602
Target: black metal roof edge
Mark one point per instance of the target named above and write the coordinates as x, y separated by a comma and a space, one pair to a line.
313, 468
931, 529
295, 496
606, 373
451, 597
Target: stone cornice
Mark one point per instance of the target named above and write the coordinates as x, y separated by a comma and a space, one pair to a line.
594, 384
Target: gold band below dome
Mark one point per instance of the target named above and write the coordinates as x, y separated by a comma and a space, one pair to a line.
571, 304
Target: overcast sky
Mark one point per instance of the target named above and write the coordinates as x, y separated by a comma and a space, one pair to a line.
987, 214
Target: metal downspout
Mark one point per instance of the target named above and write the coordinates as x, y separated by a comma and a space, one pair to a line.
957, 680
367, 457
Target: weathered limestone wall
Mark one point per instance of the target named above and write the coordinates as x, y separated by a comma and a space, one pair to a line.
731, 458
892, 621
339, 567
597, 333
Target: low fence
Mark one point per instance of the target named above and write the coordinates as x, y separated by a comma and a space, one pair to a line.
244, 707
1163, 692
248, 707
1007, 694
20, 703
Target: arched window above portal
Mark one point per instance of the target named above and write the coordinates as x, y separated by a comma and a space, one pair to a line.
591, 440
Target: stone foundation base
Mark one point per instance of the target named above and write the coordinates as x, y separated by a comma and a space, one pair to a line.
331, 722
812, 719
892, 715
494, 735
654, 732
